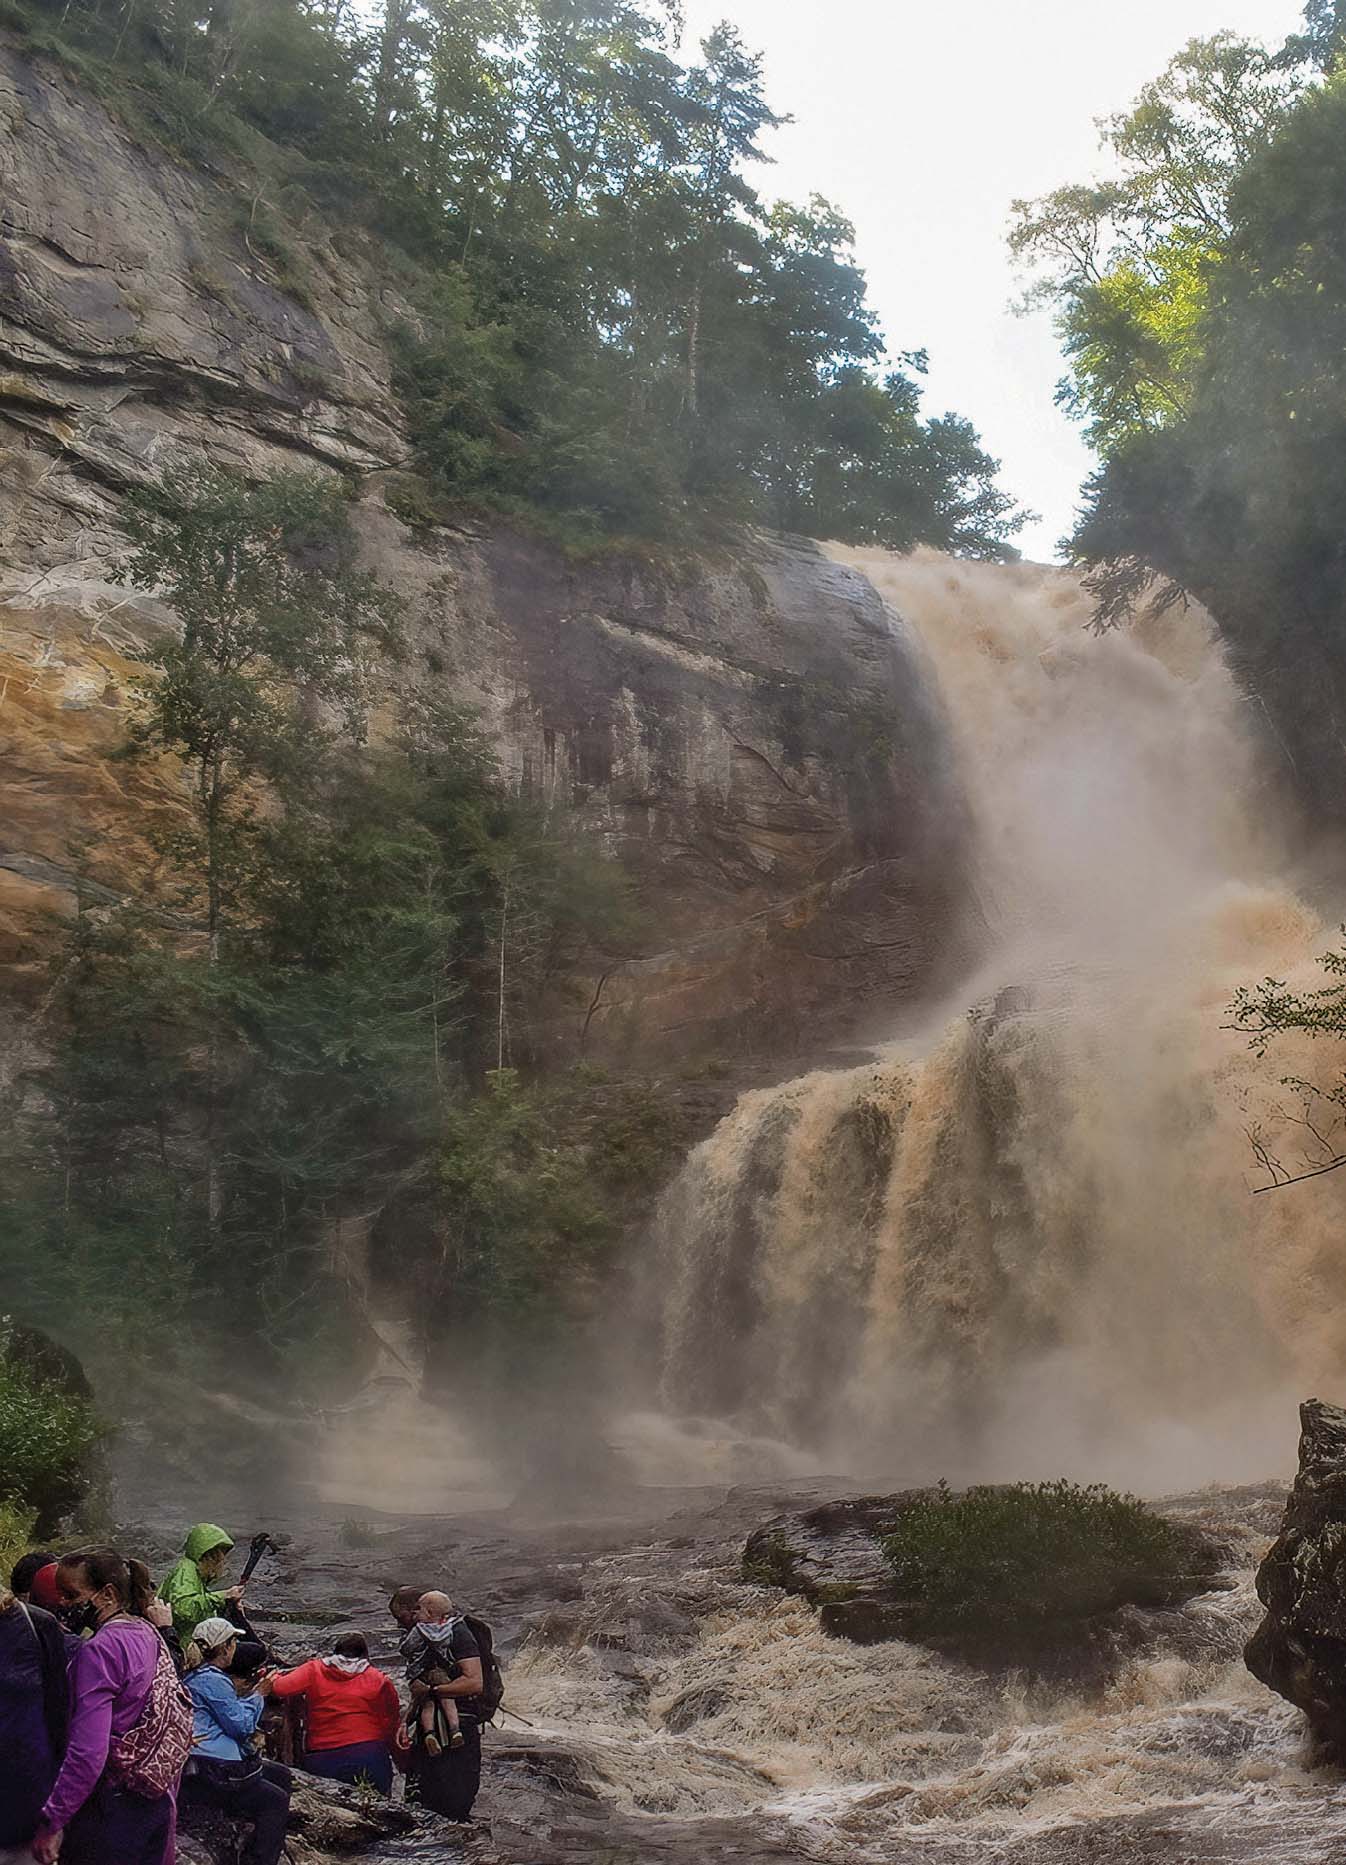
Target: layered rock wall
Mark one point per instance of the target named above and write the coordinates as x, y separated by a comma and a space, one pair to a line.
754, 736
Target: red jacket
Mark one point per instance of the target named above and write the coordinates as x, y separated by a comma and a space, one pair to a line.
342, 1709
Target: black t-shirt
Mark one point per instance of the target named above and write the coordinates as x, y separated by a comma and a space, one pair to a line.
463, 1645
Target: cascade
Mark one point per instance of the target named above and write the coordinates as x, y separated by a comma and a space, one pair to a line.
1022, 1240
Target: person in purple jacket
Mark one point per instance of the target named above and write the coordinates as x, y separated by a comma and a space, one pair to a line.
33, 1714
87, 1819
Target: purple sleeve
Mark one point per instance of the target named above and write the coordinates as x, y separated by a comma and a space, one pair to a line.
94, 1681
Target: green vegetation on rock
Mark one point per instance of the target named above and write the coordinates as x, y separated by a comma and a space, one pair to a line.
1201, 294
49, 1437
1036, 1551
303, 1060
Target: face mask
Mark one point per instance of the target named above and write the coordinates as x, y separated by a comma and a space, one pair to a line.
81, 1616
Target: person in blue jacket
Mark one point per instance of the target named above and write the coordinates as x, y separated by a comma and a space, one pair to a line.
225, 1770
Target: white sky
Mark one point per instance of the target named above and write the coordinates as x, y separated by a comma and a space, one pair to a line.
922, 120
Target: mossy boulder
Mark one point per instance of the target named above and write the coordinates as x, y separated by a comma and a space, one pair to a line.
1058, 1581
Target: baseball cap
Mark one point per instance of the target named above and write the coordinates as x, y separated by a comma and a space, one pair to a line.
212, 1633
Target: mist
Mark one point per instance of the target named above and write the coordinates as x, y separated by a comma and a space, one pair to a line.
1023, 1241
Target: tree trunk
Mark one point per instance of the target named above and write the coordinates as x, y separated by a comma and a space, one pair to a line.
693, 349
396, 18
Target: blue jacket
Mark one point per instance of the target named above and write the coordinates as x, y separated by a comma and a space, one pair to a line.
224, 1721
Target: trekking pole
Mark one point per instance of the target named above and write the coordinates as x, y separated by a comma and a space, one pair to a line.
500, 1710
257, 1547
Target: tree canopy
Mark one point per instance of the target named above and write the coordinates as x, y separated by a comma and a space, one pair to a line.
1128, 261
608, 325
297, 1045
1202, 296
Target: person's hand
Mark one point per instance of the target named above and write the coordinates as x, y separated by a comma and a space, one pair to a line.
46, 1845
263, 1684
233, 1593
159, 1613
402, 1740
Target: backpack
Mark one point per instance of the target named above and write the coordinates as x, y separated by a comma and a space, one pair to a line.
148, 1759
492, 1683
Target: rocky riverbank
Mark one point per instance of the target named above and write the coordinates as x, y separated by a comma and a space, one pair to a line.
676, 1711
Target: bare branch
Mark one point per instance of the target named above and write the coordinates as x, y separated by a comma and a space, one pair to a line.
1299, 1177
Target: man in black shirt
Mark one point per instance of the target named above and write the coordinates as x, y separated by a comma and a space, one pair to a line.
447, 1783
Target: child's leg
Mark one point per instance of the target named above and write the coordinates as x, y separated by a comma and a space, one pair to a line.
438, 1730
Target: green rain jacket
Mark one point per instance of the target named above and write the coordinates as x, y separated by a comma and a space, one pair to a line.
182, 1587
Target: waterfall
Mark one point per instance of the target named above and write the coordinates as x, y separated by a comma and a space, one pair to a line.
1024, 1241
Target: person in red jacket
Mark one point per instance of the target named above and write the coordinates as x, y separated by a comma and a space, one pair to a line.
353, 1714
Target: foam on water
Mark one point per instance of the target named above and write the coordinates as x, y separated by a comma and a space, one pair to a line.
865, 1746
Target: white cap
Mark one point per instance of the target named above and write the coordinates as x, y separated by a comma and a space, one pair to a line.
214, 1633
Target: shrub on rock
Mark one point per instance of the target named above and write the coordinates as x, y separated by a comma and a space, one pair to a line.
1038, 1551
49, 1434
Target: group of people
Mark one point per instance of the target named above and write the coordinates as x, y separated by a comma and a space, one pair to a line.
118, 1702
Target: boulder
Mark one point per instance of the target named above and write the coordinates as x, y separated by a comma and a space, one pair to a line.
1299, 1650
832, 1556
828, 1554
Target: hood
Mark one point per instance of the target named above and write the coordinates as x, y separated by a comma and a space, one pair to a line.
437, 1632
203, 1538
337, 1665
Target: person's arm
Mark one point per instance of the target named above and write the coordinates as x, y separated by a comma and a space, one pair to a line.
468, 1683
295, 1683
387, 1708
93, 1689
237, 1716
466, 1654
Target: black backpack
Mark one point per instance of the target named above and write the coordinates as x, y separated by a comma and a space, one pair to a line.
492, 1683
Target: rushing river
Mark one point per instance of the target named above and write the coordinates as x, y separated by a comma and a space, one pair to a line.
665, 1710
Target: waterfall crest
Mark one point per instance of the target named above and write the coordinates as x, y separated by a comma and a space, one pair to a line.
1022, 1240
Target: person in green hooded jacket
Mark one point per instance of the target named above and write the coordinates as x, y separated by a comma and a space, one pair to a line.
186, 1587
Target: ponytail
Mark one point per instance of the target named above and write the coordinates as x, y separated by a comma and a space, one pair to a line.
104, 1567
141, 1588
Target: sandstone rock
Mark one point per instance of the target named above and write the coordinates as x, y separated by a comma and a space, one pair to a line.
752, 736
1299, 1650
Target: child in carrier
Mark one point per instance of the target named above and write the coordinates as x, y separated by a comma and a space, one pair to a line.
430, 1661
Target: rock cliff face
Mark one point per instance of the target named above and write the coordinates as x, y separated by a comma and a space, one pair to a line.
1299, 1649
752, 735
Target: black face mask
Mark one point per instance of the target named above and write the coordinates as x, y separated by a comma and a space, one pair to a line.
81, 1617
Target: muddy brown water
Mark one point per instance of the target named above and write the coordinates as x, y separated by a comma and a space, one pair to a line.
665, 1711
